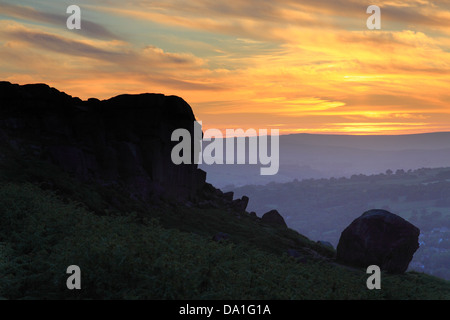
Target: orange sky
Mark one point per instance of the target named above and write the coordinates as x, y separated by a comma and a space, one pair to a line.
297, 66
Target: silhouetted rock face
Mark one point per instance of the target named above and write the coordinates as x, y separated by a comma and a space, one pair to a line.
124, 140
240, 205
273, 217
379, 238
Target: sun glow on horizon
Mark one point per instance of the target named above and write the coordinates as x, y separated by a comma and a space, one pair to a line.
309, 67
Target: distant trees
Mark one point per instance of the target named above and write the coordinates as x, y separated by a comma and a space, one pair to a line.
322, 208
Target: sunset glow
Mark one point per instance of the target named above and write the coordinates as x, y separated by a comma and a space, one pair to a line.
298, 66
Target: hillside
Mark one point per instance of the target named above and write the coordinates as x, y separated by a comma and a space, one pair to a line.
130, 252
137, 235
322, 208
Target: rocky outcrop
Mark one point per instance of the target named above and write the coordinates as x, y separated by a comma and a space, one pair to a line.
240, 205
212, 197
379, 238
125, 140
273, 217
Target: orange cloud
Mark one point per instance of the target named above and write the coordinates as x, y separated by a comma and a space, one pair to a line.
309, 66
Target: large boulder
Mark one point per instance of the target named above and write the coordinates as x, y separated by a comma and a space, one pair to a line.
125, 140
274, 217
380, 238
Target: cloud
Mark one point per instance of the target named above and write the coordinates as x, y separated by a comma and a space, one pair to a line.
300, 64
60, 44
109, 51
241, 16
89, 29
109, 59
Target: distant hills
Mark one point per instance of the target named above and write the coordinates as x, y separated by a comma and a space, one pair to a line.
321, 208
304, 156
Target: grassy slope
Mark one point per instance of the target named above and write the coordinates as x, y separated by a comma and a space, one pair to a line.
50, 221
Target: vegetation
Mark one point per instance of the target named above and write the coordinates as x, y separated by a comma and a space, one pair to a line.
127, 250
322, 208
122, 257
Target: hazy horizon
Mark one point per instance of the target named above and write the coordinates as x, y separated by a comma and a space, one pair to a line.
306, 156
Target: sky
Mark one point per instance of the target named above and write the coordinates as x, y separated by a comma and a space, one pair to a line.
308, 66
